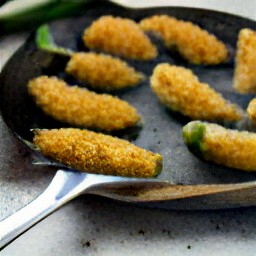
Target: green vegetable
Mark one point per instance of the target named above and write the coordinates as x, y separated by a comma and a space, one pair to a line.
227, 147
45, 41
193, 134
21, 14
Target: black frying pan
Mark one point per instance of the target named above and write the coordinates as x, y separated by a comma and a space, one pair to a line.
161, 131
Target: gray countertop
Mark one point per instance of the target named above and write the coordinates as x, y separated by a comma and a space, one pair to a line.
91, 225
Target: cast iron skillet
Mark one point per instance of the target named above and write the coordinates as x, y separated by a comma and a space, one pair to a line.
161, 131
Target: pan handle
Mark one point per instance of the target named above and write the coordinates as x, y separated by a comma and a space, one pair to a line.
61, 190
66, 185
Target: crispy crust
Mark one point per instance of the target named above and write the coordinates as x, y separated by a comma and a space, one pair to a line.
102, 71
119, 36
194, 43
232, 148
180, 90
245, 70
81, 107
97, 153
251, 110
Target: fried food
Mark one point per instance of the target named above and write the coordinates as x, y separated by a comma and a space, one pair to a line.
119, 36
212, 142
81, 107
251, 110
245, 69
102, 71
181, 91
97, 153
193, 43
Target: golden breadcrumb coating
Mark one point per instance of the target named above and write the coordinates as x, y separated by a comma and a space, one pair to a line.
180, 90
195, 44
119, 36
102, 71
251, 110
81, 107
245, 70
232, 148
97, 153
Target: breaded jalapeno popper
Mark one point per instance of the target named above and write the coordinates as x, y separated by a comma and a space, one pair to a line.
99, 71
97, 153
193, 43
181, 91
245, 69
212, 142
119, 36
251, 111
81, 107
102, 71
